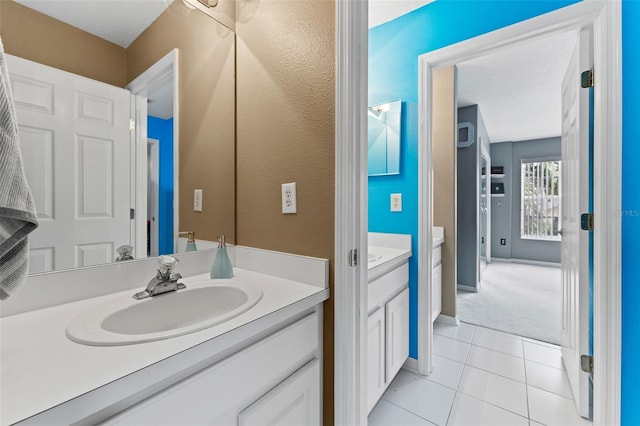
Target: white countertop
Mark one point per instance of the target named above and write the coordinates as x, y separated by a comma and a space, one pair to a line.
41, 368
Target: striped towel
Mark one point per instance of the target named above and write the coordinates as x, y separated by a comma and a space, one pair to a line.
17, 209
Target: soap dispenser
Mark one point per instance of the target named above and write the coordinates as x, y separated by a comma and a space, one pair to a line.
221, 267
191, 240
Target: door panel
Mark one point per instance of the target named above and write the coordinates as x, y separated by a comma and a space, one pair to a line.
75, 142
575, 242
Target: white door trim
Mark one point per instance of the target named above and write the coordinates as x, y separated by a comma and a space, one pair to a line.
140, 86
154, 144
606, 19
350, 284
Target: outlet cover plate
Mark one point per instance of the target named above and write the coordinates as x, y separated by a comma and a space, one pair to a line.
289, 202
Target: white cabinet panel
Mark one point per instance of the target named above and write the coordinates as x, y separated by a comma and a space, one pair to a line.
436, 292
436, 256
376, 383
397, 333
294, 402
217, 394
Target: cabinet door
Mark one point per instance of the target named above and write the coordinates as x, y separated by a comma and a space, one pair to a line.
296, 401
397, 328
436, 292
375, 358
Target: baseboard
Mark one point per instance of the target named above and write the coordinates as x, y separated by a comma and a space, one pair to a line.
411, 364
526, 262
447, 320
468, 288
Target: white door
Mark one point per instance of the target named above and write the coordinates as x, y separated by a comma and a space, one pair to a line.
575, 242
75, 143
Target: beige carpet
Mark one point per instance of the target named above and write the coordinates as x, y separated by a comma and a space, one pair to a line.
521, 299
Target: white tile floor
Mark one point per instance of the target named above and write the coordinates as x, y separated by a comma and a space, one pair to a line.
482, 377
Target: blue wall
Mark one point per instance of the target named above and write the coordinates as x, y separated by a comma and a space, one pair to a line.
631, 212
394, 48
158, 128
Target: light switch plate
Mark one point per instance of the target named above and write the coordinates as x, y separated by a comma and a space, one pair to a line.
396, 202
197, 200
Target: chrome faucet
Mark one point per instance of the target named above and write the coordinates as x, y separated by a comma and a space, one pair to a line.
164, 281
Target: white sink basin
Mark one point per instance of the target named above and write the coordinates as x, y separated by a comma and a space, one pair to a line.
124, 320
372, 257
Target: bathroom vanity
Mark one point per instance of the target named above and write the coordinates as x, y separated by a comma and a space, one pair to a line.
388, 308
264, 363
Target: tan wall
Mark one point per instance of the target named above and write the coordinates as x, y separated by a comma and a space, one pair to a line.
285, 124
37, 37
207, 115
444, 178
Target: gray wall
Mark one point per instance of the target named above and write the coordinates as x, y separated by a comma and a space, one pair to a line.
505, 211
467, 198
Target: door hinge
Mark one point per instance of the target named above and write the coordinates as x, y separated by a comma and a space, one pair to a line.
586, 363
353, 257
586, 79
132, 125
132, 213
586, 221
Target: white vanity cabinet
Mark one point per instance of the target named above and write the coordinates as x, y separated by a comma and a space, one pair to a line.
436, 283
388, 337
275, 381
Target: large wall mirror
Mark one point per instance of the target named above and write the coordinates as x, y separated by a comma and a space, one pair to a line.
384, 138
80, 70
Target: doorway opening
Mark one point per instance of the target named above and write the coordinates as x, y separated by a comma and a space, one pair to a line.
156, 115
607, 128
511, 210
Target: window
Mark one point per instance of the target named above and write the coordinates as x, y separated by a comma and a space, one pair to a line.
540, 198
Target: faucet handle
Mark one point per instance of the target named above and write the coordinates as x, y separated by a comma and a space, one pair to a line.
167, 263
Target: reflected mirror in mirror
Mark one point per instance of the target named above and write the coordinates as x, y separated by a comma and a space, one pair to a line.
384, 138
122, 106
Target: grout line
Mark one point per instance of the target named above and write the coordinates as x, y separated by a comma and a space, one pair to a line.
494, 405
402, 408
526, 384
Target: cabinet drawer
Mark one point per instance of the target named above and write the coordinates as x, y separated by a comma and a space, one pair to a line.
385, 287
436, 256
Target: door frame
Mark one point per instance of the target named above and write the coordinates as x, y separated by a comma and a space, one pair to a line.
606, 20
140, 86
350, 281
486, 156
154, 230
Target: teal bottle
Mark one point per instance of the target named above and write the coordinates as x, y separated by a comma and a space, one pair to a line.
221, 267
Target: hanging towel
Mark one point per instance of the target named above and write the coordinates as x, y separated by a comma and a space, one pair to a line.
17, 210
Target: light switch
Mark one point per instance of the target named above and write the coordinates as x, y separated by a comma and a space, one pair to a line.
396, 202
197, 200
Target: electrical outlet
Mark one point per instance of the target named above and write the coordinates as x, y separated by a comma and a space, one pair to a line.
289, 204
197, 200
503, 241
396, 202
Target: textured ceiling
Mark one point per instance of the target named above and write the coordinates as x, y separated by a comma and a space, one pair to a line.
518, 89
118, 21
